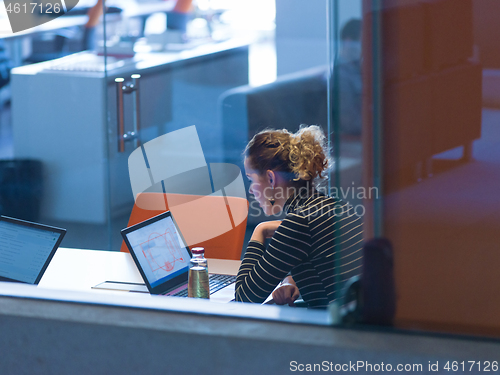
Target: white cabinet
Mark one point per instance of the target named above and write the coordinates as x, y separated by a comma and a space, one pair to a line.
61, 117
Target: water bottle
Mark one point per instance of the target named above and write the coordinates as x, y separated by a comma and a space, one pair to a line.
198, 286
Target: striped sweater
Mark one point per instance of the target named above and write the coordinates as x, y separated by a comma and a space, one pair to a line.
319, 243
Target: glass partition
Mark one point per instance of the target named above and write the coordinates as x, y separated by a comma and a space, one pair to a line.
184, 59
408, 99
345, 85
236, 68
432, 115
50, 148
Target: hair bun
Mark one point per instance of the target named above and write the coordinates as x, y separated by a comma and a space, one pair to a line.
308, 153
303, 154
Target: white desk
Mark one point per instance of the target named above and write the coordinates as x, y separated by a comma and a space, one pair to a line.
80, 270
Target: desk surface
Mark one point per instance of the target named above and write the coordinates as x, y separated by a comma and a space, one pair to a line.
72, 273
80, 270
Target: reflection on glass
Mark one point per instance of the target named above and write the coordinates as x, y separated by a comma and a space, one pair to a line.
439, 159
235, 68
69, 99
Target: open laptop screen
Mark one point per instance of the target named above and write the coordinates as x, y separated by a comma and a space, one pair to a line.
26, 249
160, 249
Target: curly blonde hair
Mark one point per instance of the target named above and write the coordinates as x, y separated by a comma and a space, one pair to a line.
304, 155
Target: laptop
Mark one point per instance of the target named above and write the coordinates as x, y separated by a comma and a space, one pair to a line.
162, 257
26, 249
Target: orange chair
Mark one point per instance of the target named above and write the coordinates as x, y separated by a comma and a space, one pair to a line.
216, 223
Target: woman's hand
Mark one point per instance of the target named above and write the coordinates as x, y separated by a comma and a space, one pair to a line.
286, 293
265, 230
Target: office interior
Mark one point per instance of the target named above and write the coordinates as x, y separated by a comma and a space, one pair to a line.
411, 108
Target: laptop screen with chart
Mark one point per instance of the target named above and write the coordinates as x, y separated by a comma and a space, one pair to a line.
159, 248
162, 257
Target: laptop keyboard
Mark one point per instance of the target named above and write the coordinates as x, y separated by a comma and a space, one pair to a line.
215, 281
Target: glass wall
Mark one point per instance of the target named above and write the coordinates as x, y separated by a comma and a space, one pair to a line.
406, 91
432, 116
185, 62
51, 148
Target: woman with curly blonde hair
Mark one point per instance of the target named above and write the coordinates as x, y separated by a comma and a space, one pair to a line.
284, 170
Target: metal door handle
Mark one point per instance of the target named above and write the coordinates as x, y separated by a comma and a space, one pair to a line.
121, 89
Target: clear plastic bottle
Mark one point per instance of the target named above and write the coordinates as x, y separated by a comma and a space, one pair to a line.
198, 286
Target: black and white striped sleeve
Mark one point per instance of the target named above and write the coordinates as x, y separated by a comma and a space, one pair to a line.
262, 269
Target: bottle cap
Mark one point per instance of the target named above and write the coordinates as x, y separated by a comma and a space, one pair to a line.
198, 250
